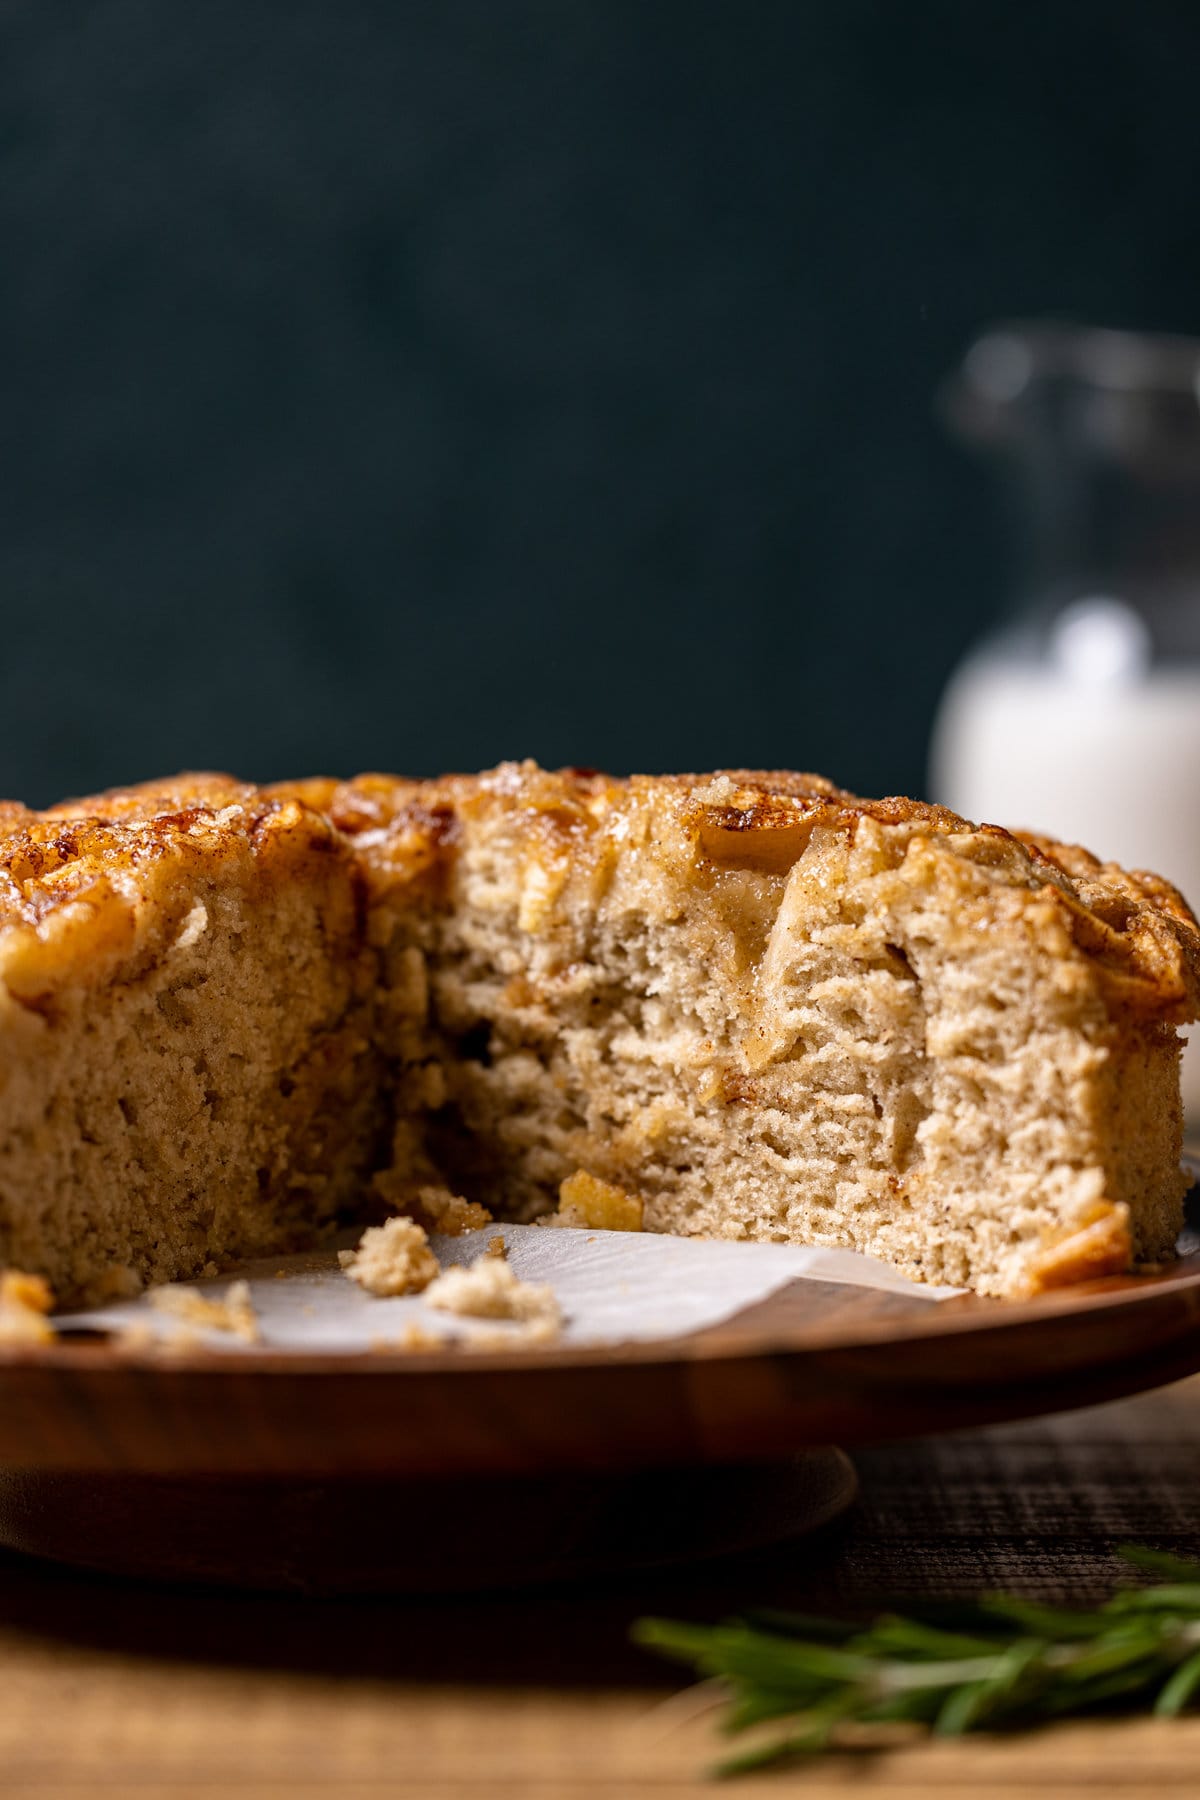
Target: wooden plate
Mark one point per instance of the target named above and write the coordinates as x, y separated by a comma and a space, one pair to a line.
816, 1364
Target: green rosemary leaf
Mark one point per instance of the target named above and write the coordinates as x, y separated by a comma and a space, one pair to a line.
1174, 1596
963, 1708
1102, 1657
1180, 1688
811, 1737
674, 1638
774, 1750
807, 1669
759, 1657
1002, 1661
1013, 1685
916, 1706
754, 1706
1100, 1692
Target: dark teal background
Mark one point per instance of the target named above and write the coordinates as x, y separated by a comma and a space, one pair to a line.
416, 385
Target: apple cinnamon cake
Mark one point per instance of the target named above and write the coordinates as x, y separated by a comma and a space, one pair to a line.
232, 1017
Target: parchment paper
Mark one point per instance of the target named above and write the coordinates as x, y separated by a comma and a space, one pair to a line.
614, 1287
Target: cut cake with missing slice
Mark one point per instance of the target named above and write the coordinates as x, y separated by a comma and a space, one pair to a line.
232, 1016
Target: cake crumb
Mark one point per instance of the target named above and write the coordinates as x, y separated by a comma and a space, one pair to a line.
24, 1302
497, 1246
490, 1290
28, 1293
392, 1258
234, 1314
589, 1204
439, 1209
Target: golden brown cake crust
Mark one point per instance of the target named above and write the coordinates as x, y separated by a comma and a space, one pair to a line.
1137, 927
74, 885
1133, 922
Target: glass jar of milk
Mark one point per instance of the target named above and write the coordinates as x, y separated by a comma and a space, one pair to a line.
1081, 719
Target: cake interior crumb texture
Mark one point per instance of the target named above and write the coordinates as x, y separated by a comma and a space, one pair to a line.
751, 1005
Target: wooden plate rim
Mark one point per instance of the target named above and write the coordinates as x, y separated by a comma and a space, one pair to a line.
732, 1340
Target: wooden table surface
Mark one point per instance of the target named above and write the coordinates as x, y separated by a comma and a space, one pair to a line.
118, 1689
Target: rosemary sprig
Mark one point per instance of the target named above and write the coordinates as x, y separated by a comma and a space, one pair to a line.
1002, 1661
